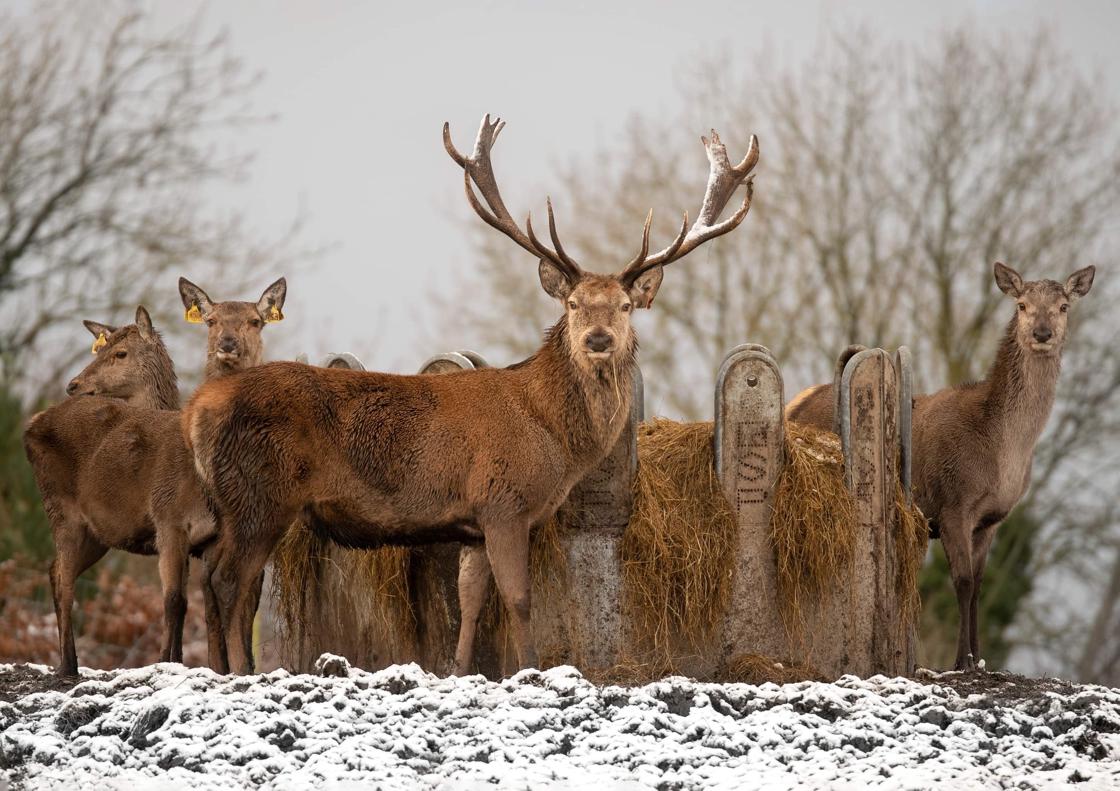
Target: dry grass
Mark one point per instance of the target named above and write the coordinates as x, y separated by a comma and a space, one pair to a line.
677, 557
352, 602
912, 541
757, 669
741, 669
678, 552
813, 526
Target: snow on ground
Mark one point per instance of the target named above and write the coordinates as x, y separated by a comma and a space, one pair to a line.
167, 726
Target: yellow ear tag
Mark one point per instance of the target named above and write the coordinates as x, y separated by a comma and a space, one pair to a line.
274, 314
193, 314
99, 344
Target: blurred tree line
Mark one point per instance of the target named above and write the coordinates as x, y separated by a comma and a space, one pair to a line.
114, 139
891, 178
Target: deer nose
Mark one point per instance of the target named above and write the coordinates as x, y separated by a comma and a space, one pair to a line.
1043, 334
598, 341
227, 345
72, 387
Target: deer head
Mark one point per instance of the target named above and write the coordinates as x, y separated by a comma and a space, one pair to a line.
1042, 307
598, 307
234, 328
131, 363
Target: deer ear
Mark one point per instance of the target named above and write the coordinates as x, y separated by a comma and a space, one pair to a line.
1008, 280
645, 287
1079, 283
272, 300
194, 300
554, 282
144, 323
97, 329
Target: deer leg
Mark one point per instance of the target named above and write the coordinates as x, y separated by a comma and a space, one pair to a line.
981, 543
75, 551
173, 559
474, 584
956, 539
234, 582
216, 654
508, 551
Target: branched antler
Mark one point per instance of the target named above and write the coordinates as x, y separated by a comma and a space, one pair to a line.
477, 168
723, 179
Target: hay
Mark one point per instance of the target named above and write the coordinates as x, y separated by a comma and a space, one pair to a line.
813, 525
758, 669
741, 669
678, 551
356, 603
912, 542
296, 572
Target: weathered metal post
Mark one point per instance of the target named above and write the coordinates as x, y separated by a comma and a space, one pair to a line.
871, 442
749, 449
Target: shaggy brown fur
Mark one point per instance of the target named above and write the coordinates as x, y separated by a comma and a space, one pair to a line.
117, 476
973, 443
371, 459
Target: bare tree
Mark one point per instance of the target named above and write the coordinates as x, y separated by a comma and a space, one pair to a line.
112, 137
890, 180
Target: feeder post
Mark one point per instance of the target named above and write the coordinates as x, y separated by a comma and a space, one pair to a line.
870, 439
593, 519
749, 449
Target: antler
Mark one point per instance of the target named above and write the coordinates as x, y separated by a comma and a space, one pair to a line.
477, 168
723, 180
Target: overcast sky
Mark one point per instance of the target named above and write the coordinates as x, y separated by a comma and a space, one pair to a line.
361, 91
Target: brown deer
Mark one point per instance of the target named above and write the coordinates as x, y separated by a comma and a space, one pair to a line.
973, 444
112, 469
369, 459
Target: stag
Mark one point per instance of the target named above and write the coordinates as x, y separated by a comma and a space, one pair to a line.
368, 459
112, 468
973, 444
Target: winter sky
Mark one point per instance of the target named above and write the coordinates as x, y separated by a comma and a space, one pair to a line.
361, 90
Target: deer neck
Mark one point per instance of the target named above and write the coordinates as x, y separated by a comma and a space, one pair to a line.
587, 410
1021, 387
162, 385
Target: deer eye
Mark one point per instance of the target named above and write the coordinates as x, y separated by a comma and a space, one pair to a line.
211, 322
1064, 308
1023, 306
572, 304
626, 307
255, 322
121, 355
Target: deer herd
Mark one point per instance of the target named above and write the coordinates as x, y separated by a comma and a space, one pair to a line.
478, 457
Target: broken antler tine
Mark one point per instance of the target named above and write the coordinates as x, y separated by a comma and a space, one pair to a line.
717, 151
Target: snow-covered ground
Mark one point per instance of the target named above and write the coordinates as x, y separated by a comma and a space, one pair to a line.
167, 726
